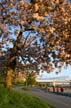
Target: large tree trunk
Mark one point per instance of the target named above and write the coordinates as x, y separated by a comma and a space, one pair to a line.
12, 64
9, 79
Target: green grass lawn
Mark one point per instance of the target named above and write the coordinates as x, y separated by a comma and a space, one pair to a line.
13, 99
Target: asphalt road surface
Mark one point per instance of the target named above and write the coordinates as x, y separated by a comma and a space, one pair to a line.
57, 101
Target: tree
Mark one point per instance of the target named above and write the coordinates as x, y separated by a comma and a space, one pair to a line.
30, 78
35, 32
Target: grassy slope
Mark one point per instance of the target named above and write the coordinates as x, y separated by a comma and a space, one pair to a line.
12, 99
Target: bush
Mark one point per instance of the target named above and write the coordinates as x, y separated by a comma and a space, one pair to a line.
26, 88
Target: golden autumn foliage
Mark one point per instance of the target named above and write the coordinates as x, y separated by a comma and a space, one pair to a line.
39, 32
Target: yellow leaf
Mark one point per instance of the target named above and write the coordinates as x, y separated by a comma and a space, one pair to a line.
36, 7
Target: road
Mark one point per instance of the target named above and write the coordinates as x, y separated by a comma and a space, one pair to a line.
57, 101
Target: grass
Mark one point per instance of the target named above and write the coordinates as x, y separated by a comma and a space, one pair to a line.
12, 99
21, 85
17, 84
26, 88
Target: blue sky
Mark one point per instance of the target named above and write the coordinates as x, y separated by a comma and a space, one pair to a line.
64, 72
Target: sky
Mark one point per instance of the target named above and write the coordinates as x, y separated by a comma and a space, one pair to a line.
64, 73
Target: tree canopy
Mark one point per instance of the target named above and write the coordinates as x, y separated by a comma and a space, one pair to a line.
36, 33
